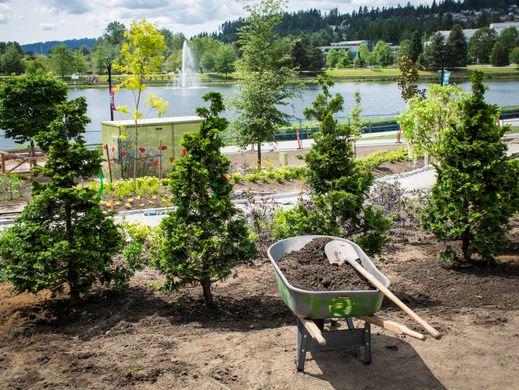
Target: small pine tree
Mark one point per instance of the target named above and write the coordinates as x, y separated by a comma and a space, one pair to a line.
203, 238
62, 237
434, 52
456, 48
499, 55
477, 190
339, 187
415, 46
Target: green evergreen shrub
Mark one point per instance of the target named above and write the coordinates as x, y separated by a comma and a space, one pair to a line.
62, 238
339, 187
204, 237
476, 191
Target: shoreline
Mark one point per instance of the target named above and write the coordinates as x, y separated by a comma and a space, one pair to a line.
340, 75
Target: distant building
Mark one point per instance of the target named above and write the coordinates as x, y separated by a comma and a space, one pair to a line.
353, 46
501, 26
468, 32
394, 50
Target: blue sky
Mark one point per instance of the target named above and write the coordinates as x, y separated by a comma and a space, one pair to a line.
28, 21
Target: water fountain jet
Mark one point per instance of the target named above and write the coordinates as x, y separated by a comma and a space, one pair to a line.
187, 74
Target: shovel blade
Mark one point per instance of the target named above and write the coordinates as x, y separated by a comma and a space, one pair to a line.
339, 252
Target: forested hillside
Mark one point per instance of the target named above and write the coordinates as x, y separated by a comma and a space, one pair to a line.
387, 24
45, 47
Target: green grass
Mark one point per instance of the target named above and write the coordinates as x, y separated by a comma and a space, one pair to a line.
512, 69
383, 137
374, 72
513, 130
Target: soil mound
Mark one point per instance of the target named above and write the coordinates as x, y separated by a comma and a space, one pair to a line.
309, 269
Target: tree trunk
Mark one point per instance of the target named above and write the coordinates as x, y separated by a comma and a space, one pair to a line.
208, 295
465, 245
72, 275
135, 154
259, 156
74, 295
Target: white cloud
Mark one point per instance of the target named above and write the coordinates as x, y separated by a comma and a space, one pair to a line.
189, 12
74, 7
48, 26
4, 10
137, 4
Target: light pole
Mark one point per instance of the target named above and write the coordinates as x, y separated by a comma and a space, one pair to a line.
443, 69
109, 61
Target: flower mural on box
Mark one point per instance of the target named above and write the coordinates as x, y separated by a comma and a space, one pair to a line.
147, 158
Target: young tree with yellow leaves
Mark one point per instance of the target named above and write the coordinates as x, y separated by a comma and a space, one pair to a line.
141, 56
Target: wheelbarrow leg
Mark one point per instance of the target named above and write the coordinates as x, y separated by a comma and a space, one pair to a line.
367, 343
303, 342
349, 321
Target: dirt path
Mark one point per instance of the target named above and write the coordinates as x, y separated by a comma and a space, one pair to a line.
146, 339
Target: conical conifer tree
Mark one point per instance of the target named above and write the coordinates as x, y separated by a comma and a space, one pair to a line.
62, 237
204, 237
477, 190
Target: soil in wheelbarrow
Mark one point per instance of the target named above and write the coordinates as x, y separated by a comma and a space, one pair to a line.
309, 269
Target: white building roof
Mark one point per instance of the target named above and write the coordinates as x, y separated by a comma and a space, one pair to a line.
345, 43
468, 32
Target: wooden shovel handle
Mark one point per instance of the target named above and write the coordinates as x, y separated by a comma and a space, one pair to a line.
392, 326
374, 281
313, 330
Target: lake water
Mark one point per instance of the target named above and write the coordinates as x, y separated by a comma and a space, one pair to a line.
378, 99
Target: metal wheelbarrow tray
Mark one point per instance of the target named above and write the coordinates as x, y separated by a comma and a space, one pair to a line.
316, 306
326, 304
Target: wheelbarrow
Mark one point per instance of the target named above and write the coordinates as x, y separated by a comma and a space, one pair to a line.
313, 307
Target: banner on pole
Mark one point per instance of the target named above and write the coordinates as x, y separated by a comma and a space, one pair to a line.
112, 99
446, 77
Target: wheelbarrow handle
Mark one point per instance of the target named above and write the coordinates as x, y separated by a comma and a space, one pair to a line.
334, 249
392, 326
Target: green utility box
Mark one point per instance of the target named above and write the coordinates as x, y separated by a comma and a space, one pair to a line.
158, 142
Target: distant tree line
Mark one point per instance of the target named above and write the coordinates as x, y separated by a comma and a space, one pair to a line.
392, 24
435, 52
414, 28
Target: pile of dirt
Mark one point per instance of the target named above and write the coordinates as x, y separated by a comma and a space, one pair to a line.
309, 269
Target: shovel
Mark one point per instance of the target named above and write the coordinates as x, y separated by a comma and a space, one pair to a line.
339, 252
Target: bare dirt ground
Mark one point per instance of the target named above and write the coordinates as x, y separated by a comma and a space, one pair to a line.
294, 156
146, 339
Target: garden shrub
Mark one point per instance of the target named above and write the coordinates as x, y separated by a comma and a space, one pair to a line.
339, 186
10, 187
378, 158
142, 246
204, 237
477, 190
62, 237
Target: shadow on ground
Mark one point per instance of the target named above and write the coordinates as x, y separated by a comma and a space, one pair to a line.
395, 365
100, 313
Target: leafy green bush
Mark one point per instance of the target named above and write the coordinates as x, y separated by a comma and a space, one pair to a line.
142, 245
10, 187
62, 237
204, 237
339, 186
147, 185
280, 174
374, 160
